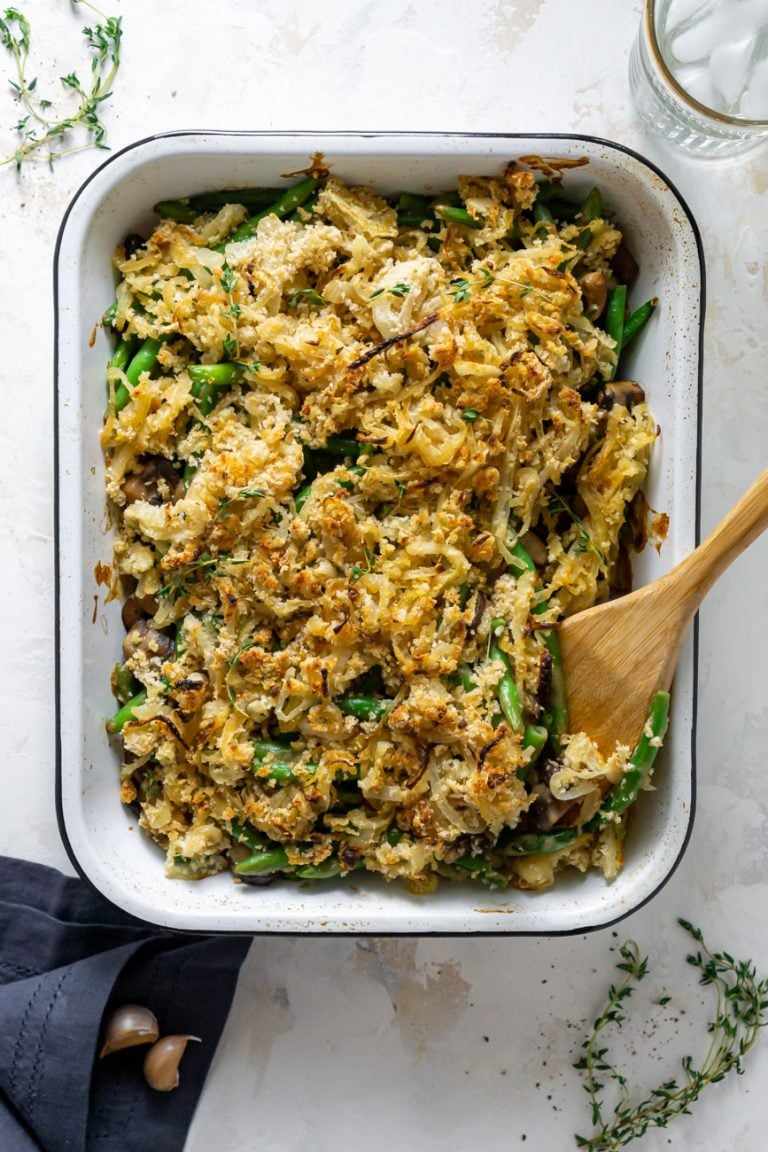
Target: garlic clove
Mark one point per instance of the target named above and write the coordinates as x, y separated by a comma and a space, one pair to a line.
128, 1026
161, 1063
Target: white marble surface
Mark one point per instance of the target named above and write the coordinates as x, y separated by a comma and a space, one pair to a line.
438, 1043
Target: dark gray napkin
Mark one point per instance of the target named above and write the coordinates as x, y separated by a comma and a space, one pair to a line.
66, 956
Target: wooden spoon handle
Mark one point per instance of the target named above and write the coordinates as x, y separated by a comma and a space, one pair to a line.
748, 518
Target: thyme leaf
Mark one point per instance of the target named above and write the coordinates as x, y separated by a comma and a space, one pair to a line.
741, 1010
310, 295
40, 135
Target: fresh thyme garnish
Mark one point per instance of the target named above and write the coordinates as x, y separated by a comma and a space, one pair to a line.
310, 295
358, 570
584, 542
243, 494
395, 290
462, 290
234, 661
37, 129
231, 343
206, 564
741, 1011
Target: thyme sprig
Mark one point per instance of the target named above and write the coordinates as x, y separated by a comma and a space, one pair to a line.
461, 288
207, 567
741, 1010
231, 343
40, 133
222, 510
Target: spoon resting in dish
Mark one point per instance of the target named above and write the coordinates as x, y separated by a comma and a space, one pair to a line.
617, 656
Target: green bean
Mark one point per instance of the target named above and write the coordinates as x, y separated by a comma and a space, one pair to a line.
347, 796
324, 871
393, 836
248, 835
305, 208
178, 210
637, 320
557, 720
262, 862
191, 466
364, 707
540, 844
250, 198
592, 208
640, 763
584, 239
121, 357
302, 496
290, 199
473, 864
279, 771
470, 415
211, 381
481, 869
262, 748
548, 190
276, 771
108, 319
522, 559
226, 372
562, 209
414, 211
542, 214
453, 215
145, 359
614, 319
346, 446
121, 718
462, 676
123, 683
535, 737
506, 690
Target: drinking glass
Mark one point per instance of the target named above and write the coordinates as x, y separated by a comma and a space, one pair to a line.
698, 72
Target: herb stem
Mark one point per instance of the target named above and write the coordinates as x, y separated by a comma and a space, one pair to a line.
37, 130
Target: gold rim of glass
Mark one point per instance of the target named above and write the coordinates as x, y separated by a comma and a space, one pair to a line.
685, 97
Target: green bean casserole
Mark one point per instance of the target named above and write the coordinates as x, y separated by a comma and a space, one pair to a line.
362, 454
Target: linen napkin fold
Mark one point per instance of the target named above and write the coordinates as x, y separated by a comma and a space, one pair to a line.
66, 958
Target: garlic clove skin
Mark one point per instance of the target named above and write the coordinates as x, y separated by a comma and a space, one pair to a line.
161, 1063
128, 1026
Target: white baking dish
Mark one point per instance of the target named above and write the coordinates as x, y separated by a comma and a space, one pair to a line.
102, 837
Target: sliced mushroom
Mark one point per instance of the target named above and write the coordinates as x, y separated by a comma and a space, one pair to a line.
161, 1064
536, 548
143, 638
157, 482
128, 1026
137, 608
546, 812
477, 615
624, 392
132, 244
594, 289
624, 265
621, 574
544, 686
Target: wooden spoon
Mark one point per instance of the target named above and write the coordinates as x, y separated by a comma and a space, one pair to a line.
617, 655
